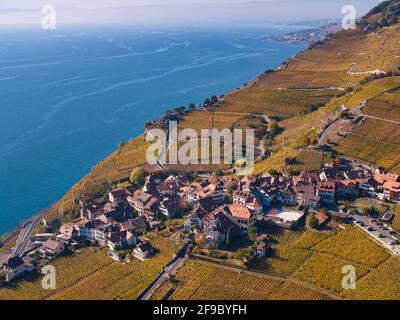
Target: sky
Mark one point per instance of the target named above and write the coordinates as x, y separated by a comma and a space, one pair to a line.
178, 11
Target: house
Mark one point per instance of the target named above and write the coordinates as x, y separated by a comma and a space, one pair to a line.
68, 232
284, 219
169, 207
136, 226
241, 197
243, 217
119, 195
306, 196
346, 188
248, 200
227, 184
261, 242
339, 217
87, 228
117, 256
89, 210
368, 187
391, 191
143, 250
197, 192
266, 194
52, 249
387, 217
287, 196
120, 239
213, 239
16, 266
101, 233
261, 250
254, 205
144, 203
326, 190
191, 222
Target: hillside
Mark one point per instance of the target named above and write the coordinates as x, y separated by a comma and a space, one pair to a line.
326, 76
356, 71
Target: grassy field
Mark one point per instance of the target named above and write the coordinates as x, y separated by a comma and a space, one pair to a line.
92, 275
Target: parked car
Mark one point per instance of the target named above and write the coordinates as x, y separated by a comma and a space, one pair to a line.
371, 229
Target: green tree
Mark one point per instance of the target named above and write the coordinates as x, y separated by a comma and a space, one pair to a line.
121, 145
206, 102
214, 99
273, 172
252, 233
219, 173
228, 240
137, 177
314, 222
273, 128
192, 107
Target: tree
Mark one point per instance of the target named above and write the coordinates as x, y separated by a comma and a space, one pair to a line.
228, 240
206, 102
2, 278
244, 254
229, 198
137, 177
274, 128
313, 222
338, 161
219, 173
192, 107
121, 145
214, 99
273, 172
252, 232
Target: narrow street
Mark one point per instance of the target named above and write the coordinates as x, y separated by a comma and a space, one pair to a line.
170, 268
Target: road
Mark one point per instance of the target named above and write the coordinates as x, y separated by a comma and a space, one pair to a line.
25, 234
171, 267
313, 89
334, 126
380, 234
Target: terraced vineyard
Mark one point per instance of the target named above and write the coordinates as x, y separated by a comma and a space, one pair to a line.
274, 103
202, 280
374, 141
93, 275
284, 260
381, 283
350, 244
325, 271
386, 106
308, 160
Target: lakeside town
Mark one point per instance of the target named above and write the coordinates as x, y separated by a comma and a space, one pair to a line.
211, 211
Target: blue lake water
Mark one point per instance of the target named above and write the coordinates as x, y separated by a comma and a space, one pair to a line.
68, 97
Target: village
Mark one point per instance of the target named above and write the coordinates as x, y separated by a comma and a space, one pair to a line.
217, 211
